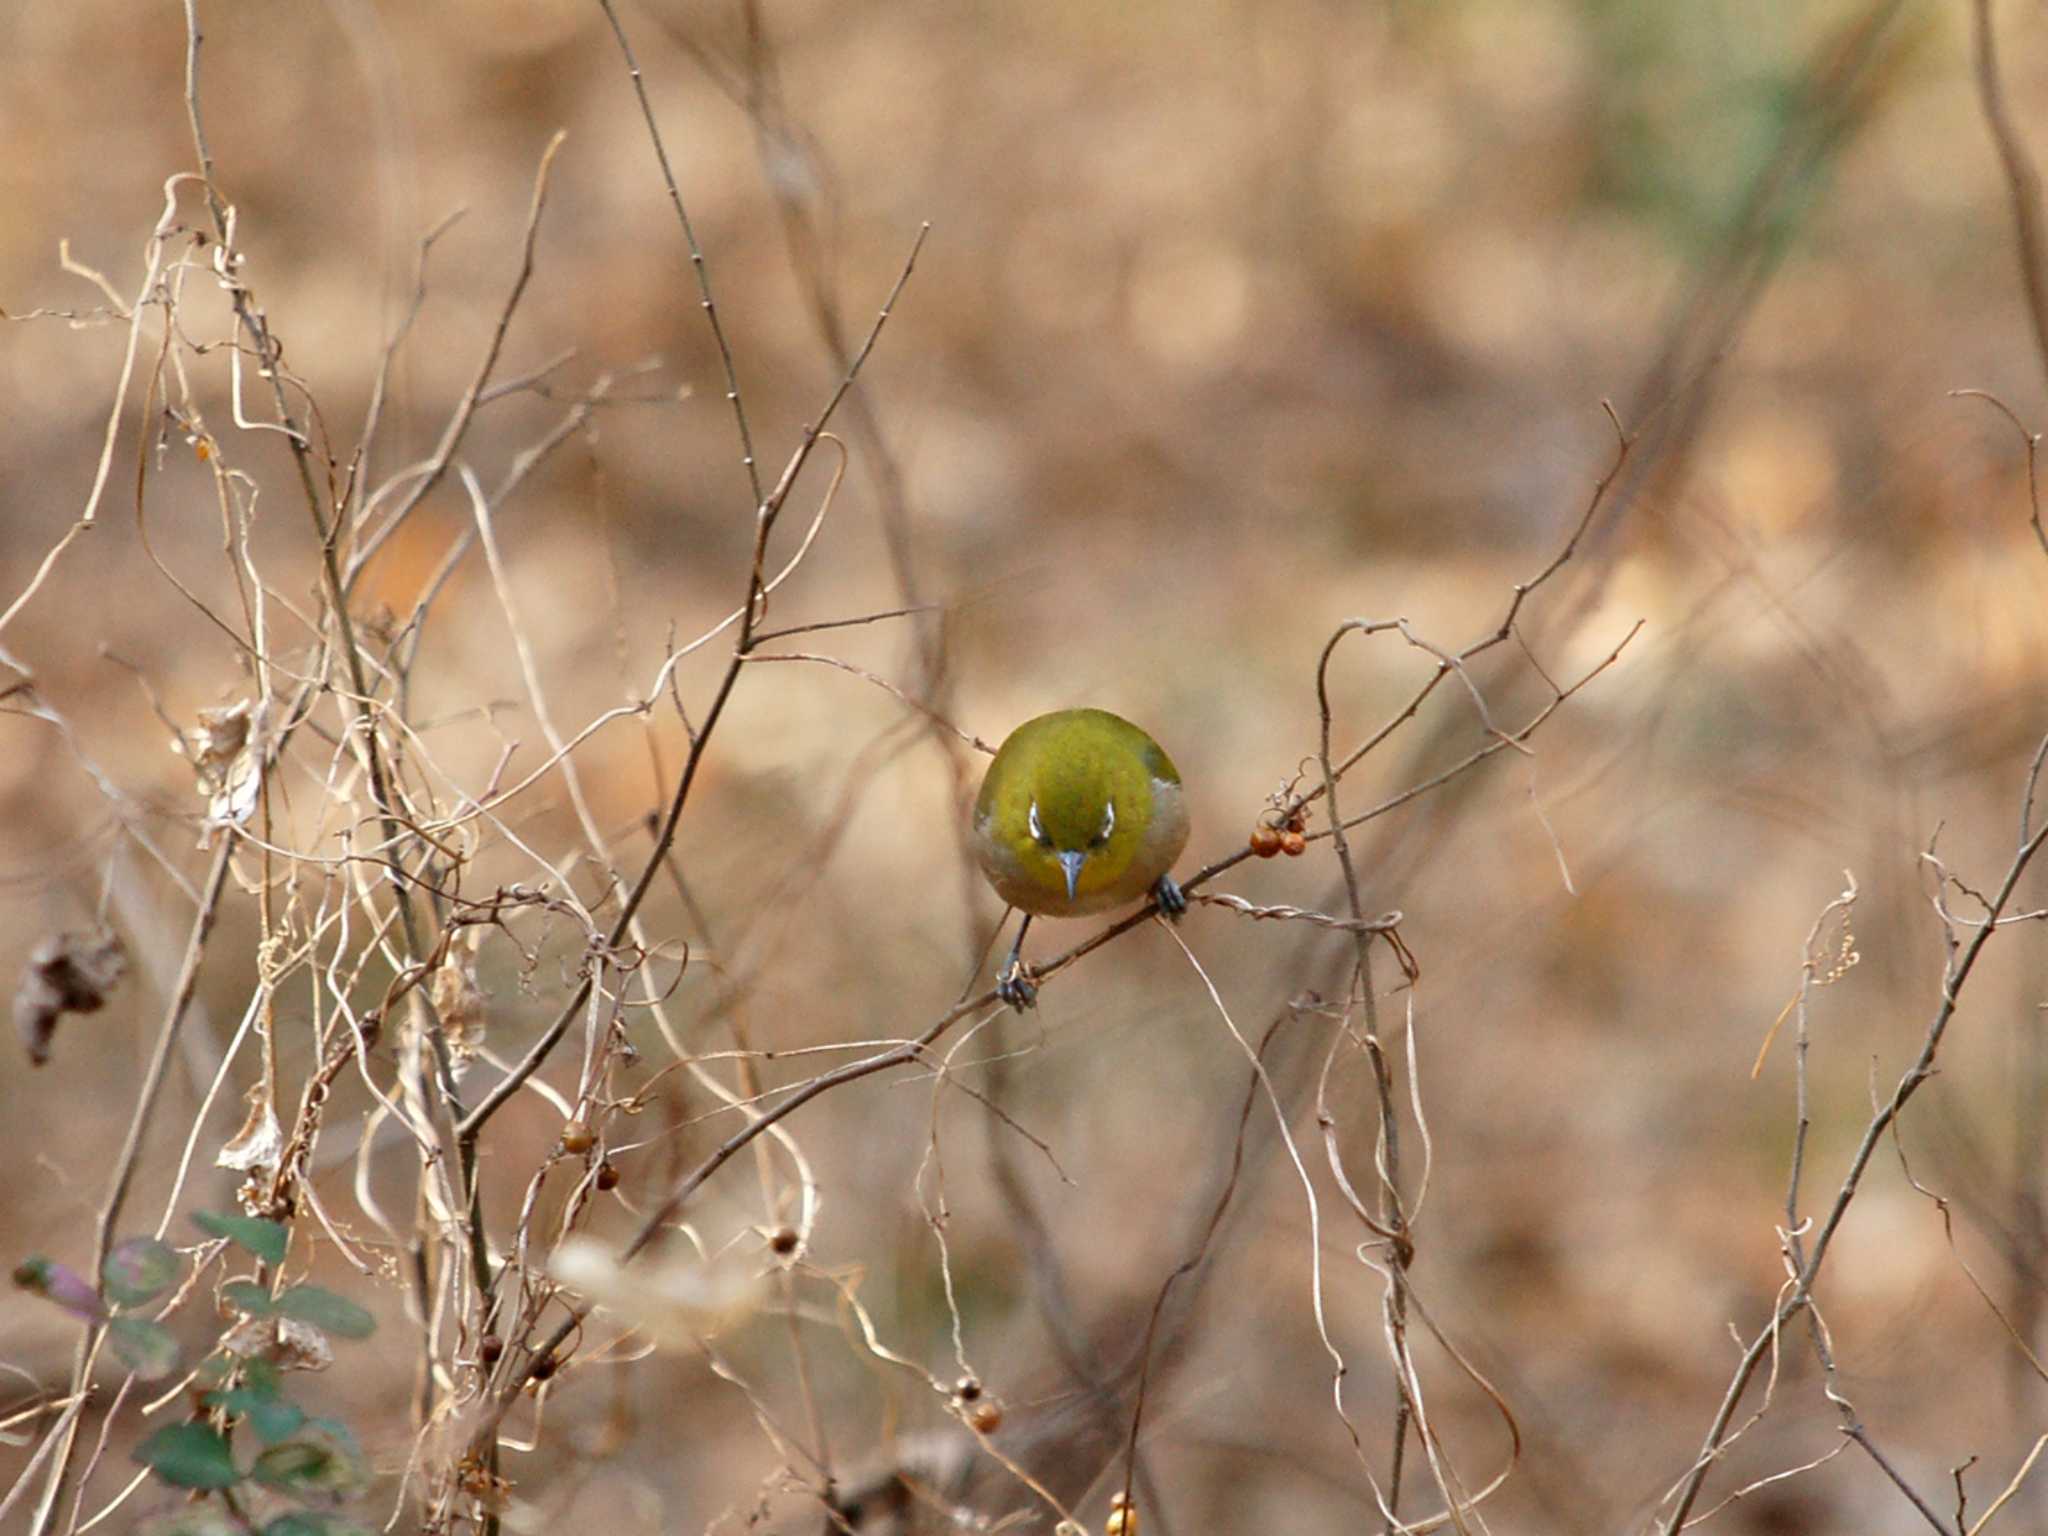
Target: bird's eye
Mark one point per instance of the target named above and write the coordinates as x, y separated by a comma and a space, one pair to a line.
1108, 824
1037, 829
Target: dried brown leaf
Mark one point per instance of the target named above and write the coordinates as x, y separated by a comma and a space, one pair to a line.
226, 760
255, 1147
458, 1001
67, 973
285, 1342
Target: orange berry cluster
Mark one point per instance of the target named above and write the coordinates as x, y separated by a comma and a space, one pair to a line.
1289, 837
984, 1415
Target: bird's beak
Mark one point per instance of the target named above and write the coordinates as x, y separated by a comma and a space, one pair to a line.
1071, 862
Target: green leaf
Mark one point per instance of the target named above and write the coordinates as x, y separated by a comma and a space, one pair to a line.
144, 1347
247, 1296
322, 1458
314, 1522
189, 1520
266, 1239
268, 1414
260, 1375
324, 1309
274, 1419
214, 1369
294, 1464
138, 1270
189, 1456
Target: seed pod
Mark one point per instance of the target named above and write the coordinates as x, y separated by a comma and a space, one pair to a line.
576, 1138
1293, 844
1265, 840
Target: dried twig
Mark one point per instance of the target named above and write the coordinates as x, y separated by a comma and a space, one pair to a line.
1961, 963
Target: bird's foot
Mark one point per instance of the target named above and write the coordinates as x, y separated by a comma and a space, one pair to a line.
1172, 899
1015, 986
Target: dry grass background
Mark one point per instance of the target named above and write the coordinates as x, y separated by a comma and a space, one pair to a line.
1235, 321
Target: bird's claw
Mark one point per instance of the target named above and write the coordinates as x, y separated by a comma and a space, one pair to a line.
1173, 901
1015, 986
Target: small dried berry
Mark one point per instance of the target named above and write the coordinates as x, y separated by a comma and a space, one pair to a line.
1265, 840
1293, 844
985, 1417
576, 1138
542, 1368
607, 1175
967, 1389
784, 1240
1123, 1518
489, 1349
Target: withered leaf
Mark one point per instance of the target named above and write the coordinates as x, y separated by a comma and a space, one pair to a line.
227, 759
255, 1147
67, 973
458, 1001
285, 1342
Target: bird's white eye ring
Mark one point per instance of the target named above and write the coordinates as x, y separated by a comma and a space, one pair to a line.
1108, 822
1037, 829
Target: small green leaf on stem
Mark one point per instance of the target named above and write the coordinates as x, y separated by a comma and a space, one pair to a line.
248, 1297
266, 1239
144, 1347
321, 1459
189, 1520
139, 1270
189, 1456
294, 1464
325, 1310
272, 1417
316, 1522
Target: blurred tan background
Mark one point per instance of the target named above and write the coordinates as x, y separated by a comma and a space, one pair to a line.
1236, 320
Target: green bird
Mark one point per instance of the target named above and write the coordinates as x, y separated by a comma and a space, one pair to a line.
1080, 811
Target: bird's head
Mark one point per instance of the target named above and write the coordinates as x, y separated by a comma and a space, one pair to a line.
1068, 799
1072, 820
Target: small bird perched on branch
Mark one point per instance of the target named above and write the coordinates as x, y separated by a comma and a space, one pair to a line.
1080, 811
